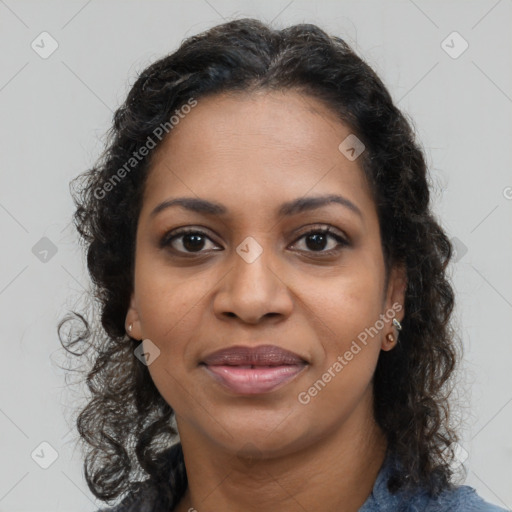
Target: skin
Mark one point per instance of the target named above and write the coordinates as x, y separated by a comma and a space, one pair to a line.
251, 152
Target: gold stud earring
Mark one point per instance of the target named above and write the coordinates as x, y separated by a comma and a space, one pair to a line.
390, 337
130, 327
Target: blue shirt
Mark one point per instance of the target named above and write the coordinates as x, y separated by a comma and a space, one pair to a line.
457, 499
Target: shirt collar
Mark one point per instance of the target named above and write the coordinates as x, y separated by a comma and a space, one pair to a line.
381, 499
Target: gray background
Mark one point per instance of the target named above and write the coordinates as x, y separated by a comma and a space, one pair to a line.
55, 110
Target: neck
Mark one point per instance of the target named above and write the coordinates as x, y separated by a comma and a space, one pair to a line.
337, 472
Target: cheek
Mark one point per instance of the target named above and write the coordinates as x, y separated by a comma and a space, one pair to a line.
169, 305
346, 312
343, 375
170, 311
349, 302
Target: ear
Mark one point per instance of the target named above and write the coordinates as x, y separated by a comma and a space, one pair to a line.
132, 319
394, 304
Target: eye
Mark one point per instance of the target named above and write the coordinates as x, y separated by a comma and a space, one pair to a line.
186, 241
190, 241
317, 240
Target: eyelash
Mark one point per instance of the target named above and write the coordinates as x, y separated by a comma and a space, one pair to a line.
170, 237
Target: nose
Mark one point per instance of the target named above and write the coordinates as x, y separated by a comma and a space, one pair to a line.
251, 291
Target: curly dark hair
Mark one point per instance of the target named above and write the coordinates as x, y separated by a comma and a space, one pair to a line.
127, 426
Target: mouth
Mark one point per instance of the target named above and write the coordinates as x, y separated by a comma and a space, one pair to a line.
253, 370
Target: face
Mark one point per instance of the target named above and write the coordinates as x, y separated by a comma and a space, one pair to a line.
299, 315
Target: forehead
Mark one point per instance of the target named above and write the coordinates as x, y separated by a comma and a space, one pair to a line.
254, 149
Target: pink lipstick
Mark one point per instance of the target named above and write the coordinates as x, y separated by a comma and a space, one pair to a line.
253, 370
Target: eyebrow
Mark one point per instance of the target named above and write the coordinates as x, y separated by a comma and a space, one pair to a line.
286, 209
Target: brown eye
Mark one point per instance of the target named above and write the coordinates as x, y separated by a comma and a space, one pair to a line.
186, 241
318, 240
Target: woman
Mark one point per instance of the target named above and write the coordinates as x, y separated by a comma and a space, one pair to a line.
274, 305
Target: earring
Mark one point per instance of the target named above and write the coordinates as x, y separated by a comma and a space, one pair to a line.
397, 324
130, 327
390, 338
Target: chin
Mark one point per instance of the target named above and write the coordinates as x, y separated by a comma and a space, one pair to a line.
259, 434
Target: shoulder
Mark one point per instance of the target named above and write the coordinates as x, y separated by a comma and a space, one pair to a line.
454, 498
461, 499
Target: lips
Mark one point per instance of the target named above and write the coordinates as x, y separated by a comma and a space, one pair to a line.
253, 370
263, 355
